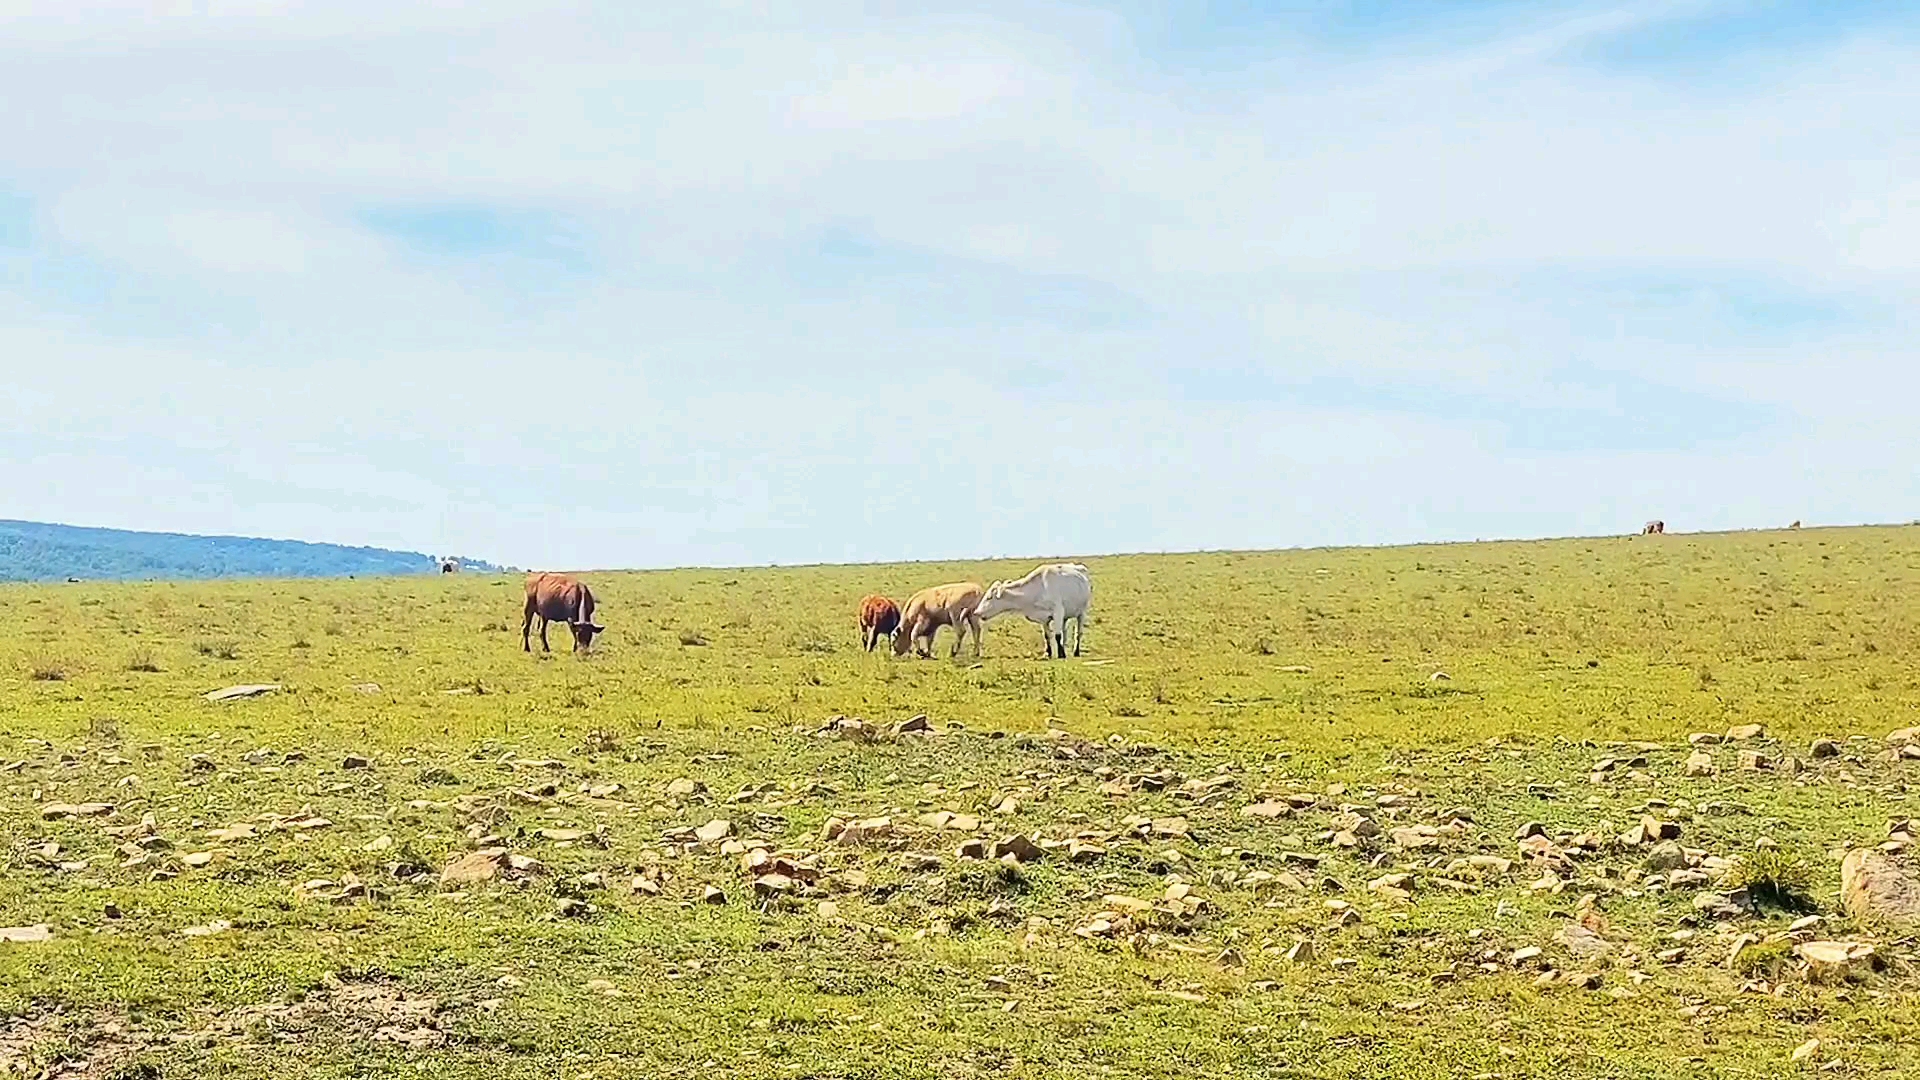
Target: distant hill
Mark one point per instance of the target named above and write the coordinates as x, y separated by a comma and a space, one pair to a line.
32, 551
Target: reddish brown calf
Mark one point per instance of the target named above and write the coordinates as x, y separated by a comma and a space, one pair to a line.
879, 617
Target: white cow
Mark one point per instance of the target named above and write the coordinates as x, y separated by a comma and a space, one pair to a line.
1049, 595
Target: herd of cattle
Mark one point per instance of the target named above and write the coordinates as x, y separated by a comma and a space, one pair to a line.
1051, 595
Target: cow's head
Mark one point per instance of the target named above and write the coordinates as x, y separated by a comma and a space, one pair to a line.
994, 601
583, 634
902, 639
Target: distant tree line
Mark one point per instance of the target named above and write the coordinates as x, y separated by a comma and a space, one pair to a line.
32, 551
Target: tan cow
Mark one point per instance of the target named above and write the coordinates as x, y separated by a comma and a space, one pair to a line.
956, 605
557, 596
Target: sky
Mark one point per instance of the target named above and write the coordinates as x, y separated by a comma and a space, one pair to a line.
593, 285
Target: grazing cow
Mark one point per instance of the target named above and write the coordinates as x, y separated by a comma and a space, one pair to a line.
1795, 525
557, 596
879, 617
448, 566
930, 609
1049, 595
1654, 528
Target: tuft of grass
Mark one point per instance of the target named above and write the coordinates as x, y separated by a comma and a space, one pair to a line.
47, 672
692, 638
219, 650
144, 661
1775, 878
1767, 960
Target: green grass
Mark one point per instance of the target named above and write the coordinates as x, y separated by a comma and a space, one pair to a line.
1291, 673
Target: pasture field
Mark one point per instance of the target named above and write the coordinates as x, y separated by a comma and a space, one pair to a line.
429, 854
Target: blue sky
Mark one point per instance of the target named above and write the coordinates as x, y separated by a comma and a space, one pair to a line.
591, 285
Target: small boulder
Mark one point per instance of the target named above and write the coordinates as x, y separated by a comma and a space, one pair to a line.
1700, 763
1823, 748
1875, 886
1746, 732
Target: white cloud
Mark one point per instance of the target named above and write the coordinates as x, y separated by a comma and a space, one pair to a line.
1110, 302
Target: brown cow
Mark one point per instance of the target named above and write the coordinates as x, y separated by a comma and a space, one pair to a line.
557, 596
928, 610
879, 617
1653, 528
1795, 525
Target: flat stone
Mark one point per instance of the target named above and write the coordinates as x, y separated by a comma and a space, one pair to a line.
1700, 763
26, 935
235, 693
474, 867
1837, 961
1746, 732
714, 831
57, 811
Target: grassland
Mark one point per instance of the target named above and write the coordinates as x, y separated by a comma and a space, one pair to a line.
326, 943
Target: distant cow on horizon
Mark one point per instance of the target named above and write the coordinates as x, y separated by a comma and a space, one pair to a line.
879, 618
448, 566
1795, 525
1654, 528
558, 597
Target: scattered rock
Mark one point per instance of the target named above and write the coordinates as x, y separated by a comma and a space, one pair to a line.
1903, 737
1301, 953
1823, 748
828, 909
26, 935
714, 831
1746, 732
917, 725
197, 858
217, 926
1667, 855
1530, 830
1582, 942
684, 788
1700, 763
713, 895
234, 693
355, 761
1805, 1052
1875, 886
1019, 848
1755, 761
1703, 738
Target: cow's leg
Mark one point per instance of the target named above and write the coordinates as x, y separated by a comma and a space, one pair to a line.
544, 647
526, 629
959, 637
1079, 632
979, 631
1059, 624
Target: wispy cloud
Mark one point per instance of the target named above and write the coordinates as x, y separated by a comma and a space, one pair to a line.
605, 284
